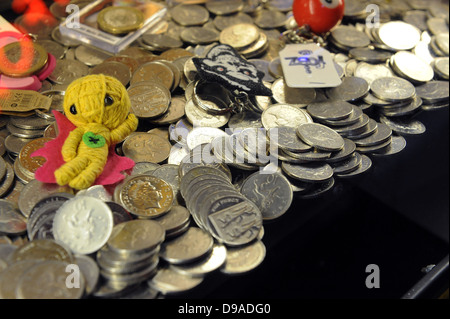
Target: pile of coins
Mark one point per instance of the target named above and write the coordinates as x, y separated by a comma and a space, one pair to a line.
218, 207
204, 183
131, 254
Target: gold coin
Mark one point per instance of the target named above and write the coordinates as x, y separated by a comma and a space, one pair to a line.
22, 59
147, 196
120, 20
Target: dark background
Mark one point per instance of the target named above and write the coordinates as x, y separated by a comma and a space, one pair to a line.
396, 216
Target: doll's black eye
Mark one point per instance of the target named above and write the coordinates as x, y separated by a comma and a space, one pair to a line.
73, 109
108, 100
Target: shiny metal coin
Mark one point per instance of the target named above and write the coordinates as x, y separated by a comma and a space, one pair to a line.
410, 66
399, 35
175, 252
272, 193
244, 259
310, 172
84, 224
393, 89
321, 137
351, 89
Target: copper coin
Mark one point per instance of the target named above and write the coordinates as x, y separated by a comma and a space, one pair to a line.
29, 163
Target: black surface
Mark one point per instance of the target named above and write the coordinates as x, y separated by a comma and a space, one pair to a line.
395, 216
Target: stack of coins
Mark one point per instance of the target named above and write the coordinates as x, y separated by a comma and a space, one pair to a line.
131, 254
40, 219
434, 94
210, 206
31, 261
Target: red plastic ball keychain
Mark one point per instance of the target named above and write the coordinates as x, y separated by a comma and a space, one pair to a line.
320, 15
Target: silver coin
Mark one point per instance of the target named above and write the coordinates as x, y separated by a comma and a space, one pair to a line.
311, 172
433, 91
47, 206
272, 193
263, 66
90, 271
330, 110
313, 155
348, 149
202, 135
11, 221
30, 287
441, 67
399, 35
349, 37
286, 138
197, 240
366, 131
318, 189
371, 72
218, 7
84, 224
198, 117
437, 25
176, 218
120, 215
169, 282
442, 41
199, 35
397, 145
222, 22
90, 56
320, 137
369, 55
404, 127
382, 134
161, 41
354, 129
144, 168
298, 97
245, 119
393, 89
244, 225
417, 18
244, 259
411, 67
66, 71
351, 89
269, 19
189, 15
347, 165
366, 164
354, 117
284, 115
206, 265
408, 109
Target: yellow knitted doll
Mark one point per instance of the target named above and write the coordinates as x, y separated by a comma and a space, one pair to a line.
99, 107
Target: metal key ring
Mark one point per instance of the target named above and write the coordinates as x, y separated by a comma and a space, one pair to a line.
205, 107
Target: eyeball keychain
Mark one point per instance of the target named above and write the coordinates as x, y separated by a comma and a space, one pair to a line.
314, 18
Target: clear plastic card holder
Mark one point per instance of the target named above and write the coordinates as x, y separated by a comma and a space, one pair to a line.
81, 25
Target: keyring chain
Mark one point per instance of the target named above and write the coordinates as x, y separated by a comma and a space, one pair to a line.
303, 35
